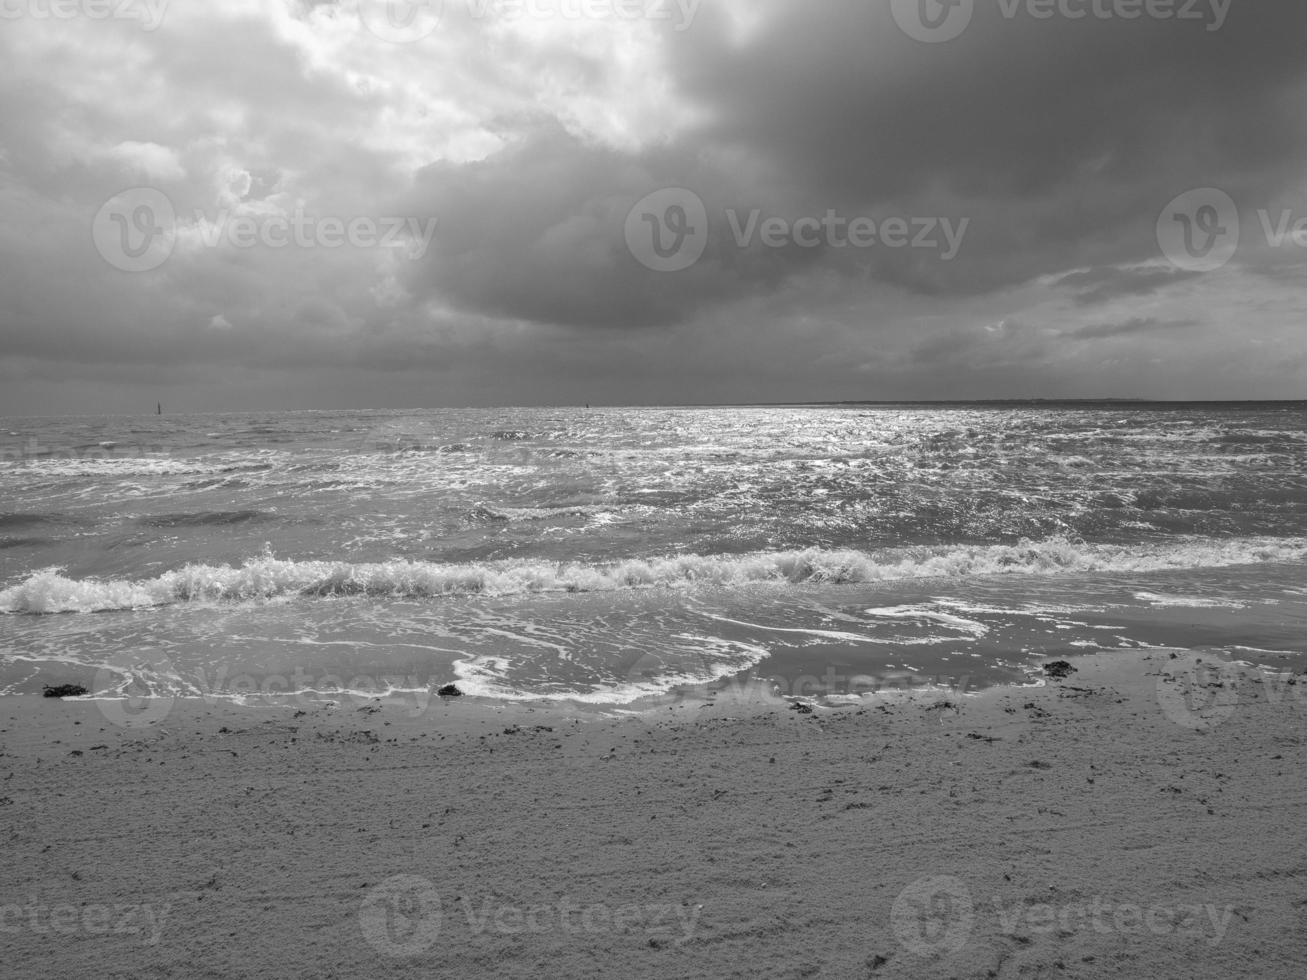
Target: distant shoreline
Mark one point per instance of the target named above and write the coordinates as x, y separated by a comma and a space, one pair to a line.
1031, 403
1049, 403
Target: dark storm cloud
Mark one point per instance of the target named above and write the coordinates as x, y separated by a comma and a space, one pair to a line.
1066, 135
1058, 141
536, 233
851, 107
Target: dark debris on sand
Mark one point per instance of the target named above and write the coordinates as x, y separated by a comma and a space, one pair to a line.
1059, 670
64, 691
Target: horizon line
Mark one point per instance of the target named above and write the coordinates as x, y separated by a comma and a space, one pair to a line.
1125, 402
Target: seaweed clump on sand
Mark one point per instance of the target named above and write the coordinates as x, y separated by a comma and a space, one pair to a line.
1059, 670
64, 691
449, 691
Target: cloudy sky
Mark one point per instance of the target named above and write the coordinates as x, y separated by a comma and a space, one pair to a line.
254, 204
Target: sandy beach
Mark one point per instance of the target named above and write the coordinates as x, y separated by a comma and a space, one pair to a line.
1140, 817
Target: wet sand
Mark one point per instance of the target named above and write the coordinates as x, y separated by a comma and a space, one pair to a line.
1102, 825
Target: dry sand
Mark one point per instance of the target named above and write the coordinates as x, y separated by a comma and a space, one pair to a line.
1093, 827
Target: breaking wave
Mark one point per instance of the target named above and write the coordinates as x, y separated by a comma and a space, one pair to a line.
267, 577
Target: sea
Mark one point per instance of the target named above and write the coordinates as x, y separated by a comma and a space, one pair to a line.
621, 557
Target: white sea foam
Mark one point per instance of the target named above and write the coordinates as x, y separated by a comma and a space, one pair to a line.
1187, 602
924, 612
109, 466
489, 676
117, 466
265, 577
518, 514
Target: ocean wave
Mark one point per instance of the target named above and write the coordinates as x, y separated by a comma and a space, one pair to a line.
23, 520
24, 542
268, 577
484, 512
207, 518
